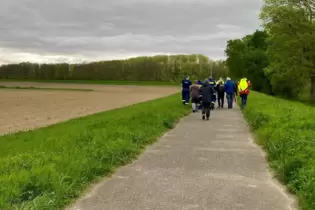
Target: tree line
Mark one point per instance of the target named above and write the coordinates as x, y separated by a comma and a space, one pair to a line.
280, 59
155, 68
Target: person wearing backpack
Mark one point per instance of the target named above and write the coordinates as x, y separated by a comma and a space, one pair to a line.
200, 83
195, 96
229, 88
220, 93
243, 90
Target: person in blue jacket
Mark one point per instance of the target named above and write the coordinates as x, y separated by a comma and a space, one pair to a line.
212, 82
186, 83
199, 82
229, 89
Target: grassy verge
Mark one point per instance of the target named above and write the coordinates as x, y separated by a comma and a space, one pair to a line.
42, 88
49, 167
286, 130
104, 82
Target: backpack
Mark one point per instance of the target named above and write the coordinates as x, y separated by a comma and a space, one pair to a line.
220, 88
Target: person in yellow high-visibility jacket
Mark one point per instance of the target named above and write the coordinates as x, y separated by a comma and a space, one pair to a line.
220, 80
243, 90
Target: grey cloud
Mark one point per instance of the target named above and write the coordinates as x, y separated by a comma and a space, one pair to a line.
105, 27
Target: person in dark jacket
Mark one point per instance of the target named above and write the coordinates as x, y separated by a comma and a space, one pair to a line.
199, 83
186, 83
221, 93
207, 92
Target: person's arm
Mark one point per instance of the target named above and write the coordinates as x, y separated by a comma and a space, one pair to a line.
212, 91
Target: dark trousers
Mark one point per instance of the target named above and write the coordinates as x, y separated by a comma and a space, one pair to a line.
185, 96
230, 97
206, 107
220, 100
244, 100
200, 102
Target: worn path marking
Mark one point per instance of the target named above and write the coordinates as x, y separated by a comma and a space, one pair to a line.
208, 165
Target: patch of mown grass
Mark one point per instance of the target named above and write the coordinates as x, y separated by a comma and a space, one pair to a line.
42, 88
102, 82
286, 130
48, 168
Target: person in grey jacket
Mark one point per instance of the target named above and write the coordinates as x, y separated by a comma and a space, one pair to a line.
207, 92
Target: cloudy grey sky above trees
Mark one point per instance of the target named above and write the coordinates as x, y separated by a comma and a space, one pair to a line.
80, 30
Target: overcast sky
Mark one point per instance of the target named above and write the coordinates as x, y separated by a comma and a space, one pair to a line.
76, 30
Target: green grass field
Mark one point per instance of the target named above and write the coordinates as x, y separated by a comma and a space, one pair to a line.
50, 167
42, 88
102, 82
286, 130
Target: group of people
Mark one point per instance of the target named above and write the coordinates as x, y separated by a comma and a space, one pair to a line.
203, 95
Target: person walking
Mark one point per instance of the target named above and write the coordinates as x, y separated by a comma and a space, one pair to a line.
199, 82
220, 80
186, 83
243, 90
207, 92
195, 96
213, 83
220, 93
229, 89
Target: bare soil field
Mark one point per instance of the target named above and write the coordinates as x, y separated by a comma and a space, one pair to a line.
29, 109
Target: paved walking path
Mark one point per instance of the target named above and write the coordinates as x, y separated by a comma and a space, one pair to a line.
208, 165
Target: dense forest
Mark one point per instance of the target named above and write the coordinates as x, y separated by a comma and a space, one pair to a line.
156, 68
280, 59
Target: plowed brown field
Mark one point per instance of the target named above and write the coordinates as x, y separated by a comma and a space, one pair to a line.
30, 109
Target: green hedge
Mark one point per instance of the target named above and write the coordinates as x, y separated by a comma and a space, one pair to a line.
49, 167
286, 130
